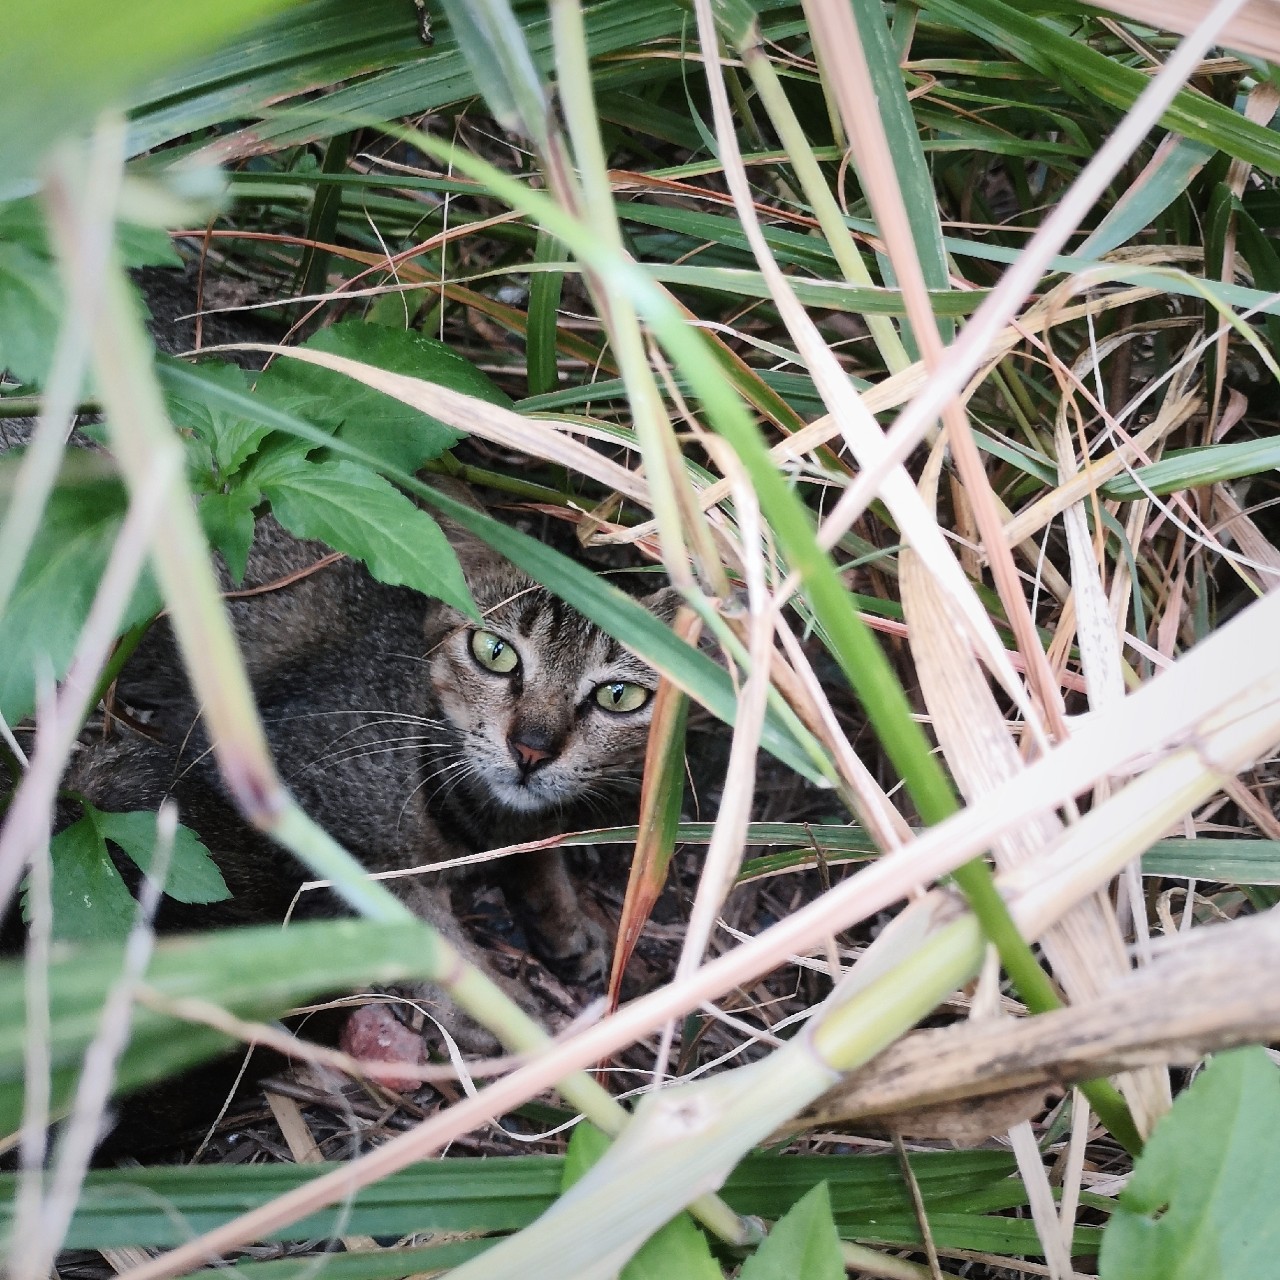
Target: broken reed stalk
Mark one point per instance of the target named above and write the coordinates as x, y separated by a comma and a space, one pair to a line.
1210, 991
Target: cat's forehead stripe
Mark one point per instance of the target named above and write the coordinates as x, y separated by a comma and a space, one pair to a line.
571, 642
531, 610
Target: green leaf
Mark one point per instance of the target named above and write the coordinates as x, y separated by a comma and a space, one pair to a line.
1195, 468
30, 312
586, 1145
89, 899
31, 294
381, 426
1202, 1199
1074, 64
63, 62
38, 631
164, 1207
678, 1249
192, 876
1164, 179
802, 1246
903, 135
356, 511
230, 437
23, 222
228, 522
1225, 861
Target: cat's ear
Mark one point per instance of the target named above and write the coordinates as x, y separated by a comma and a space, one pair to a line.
663, 604
475, 556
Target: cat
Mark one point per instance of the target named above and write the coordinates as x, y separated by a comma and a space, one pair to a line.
411, 734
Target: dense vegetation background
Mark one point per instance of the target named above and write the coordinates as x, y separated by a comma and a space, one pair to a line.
930, 350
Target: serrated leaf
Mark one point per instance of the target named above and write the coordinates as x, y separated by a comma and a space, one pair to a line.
1202, 1199
378, 424
192, 876
89, 899
802, 1246
39, 629
229, 437
356, 511
227, 520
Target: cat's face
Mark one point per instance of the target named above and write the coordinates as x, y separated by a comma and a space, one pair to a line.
544, 709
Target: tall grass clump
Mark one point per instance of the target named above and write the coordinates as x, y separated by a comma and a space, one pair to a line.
929, 351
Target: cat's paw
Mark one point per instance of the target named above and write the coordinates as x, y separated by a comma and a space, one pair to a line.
580, 956
429, 1011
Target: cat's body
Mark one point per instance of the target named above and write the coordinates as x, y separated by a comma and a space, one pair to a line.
410, 734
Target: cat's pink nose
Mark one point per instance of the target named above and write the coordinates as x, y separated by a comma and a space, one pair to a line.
528, 755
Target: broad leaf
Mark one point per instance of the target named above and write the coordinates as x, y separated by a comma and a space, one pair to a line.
381, 426
228, 521
39, 629
31, 295
357, 511
30, 311
802, 1246
192, 875
89, 899
229, 437
1202, 1199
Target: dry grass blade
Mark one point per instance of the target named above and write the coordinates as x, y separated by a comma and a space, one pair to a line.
1251, 30
983, 329
489, 421
653, 843
1180, 405
1233, 523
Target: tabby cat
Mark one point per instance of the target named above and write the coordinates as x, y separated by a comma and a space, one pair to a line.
408, 732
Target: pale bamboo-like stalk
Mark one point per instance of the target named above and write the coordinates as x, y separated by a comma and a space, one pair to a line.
1212, 991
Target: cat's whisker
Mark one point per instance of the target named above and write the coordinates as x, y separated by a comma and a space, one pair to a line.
461, 769
350, 754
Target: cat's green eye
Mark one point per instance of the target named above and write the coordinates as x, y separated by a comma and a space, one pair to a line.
494, 653
622, 695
